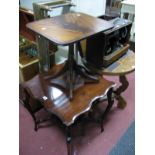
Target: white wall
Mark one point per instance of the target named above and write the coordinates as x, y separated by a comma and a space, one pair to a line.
92, 7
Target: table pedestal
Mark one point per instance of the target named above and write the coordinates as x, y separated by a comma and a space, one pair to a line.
74, 69
124, 85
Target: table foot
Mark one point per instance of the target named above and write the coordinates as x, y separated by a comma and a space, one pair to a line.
68, 140
35, 126
121, 102
124, 85
81, 70
60, 72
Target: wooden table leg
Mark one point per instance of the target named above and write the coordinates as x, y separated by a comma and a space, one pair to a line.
68, 140
124, 85
110, 103
71, 60
44, 56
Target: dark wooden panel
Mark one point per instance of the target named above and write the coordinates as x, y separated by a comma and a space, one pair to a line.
26, 16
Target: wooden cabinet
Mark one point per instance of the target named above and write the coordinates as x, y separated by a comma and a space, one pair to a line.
28, 64
28, 59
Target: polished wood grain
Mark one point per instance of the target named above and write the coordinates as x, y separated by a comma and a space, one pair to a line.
83, 99
55, 99
58, 103
69, 28
122, 66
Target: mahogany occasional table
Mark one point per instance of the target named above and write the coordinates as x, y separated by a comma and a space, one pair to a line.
67, 30
71, 90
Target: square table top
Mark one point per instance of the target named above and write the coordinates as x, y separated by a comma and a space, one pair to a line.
69, 28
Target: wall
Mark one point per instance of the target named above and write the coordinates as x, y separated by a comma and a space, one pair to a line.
92, 7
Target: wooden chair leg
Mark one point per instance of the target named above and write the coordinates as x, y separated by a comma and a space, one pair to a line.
28, 107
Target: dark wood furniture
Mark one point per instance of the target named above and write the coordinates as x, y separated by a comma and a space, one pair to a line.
107, 47
69, 29
50, 93
70, 91
85, 96
58, 102
26, 16
28, 59
120, 68
29, 92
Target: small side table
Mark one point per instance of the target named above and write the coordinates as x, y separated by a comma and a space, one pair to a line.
121, 68
75, 97
68, 30
53, 97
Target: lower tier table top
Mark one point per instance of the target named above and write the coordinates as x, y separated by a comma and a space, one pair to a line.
83, 98
56, 100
